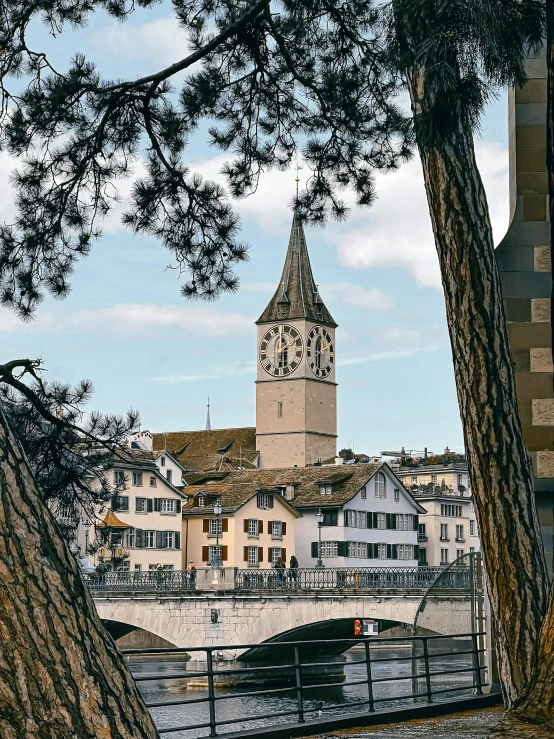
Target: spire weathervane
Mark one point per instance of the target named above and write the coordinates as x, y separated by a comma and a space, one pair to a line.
297, 180
208, 420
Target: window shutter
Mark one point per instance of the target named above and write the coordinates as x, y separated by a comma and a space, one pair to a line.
271, 501
375, 524
284, 528
224, 525
416, 551
157, 504
342, 548
394, 551
159, 540
260, 554
370, 553
149, 505
260, 527
269, 553
334, 518
138, 539
369, 520
314, 549
284, 555
390, 521
178, 506
245, 525
177, 535
206, 525
245, 554
416, 523
346, 518
389, 551
205, 554
224, 553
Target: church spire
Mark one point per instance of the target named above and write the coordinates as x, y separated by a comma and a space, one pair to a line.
297, 295
208, 420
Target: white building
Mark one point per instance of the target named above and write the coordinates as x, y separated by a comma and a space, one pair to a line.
447, 530
165, 461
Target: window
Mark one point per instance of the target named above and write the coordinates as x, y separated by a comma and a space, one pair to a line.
363, 493
414, 479
381, 551
396, 495
444, 556
215, 528
152, 481
201, 501
404, 522
404, 551
422, 529
276, 530
434, 479
162, 461
471, 550
137, 479
326, 489
422, 556
356, 519
214, 554
168, 568
357, 549
168, 539
329, 549
130, 538
381, 521
140, 505
444, 531
275, 554
169, 475
252, 556
124, 567
116, 538
459, 553
279, 410
253, 528
138, 568
472, 528
265, 501
451, 510
119, 477
167, 505
149, 539
380, 485
121, 503
459, 532
330, 518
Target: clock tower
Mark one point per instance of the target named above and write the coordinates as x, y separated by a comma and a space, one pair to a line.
296, 392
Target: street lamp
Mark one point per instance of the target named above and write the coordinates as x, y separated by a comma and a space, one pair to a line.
217, 510
319, 518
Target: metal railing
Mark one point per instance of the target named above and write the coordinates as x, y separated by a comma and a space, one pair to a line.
148, 581
298, 660
363, 578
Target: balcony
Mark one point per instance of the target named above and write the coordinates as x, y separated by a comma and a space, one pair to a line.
445, 538
460, 538
422, 537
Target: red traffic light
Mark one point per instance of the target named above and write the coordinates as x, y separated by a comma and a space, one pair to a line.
357, 627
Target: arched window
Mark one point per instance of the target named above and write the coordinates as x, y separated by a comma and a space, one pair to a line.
380, 485
317, 356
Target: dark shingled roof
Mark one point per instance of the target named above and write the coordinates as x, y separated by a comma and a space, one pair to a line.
198, 451
231, 495
297, 295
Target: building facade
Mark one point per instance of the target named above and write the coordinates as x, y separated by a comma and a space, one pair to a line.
451, 478
296, 390
447, 529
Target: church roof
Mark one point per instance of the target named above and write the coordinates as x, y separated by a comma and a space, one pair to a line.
199, 451
297, 295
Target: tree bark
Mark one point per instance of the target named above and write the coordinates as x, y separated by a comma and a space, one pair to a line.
61, 675
499, 465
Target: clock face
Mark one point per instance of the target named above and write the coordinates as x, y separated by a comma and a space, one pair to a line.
320, 351
281, 350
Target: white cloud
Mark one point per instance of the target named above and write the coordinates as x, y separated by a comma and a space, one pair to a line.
243, 368
161, 41
346, 292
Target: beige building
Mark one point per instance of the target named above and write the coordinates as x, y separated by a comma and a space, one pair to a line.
451, 478
141, 527
296, 391
447, 530
255, 528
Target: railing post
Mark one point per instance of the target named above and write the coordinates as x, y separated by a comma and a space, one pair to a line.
477, 684
371, 704
211, 691
298, 674
428, 689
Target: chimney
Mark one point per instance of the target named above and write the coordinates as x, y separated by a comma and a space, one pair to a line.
339, 460
289, 491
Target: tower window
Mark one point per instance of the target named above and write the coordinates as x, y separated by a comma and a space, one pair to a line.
380, 486
279, 410
317, 354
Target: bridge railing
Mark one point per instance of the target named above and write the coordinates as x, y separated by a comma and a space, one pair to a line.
363, 578
417, 673
148, 581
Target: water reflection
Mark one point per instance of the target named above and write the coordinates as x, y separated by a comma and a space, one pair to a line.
387, 662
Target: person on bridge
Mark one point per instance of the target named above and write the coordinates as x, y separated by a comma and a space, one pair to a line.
293, 567
191, 569
281, 566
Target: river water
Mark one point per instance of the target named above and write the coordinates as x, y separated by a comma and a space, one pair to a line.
318, 702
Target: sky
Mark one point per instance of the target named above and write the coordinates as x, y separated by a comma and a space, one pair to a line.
127, 329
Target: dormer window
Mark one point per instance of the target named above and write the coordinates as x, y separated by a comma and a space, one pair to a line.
201, 501
326, 488
380, 485
162, 461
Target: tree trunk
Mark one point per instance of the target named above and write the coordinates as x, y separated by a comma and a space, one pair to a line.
499, 466
61, 675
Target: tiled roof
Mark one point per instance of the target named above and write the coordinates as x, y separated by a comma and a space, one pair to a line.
346, 483
232, 495
198, 451
297, 295
113, 522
